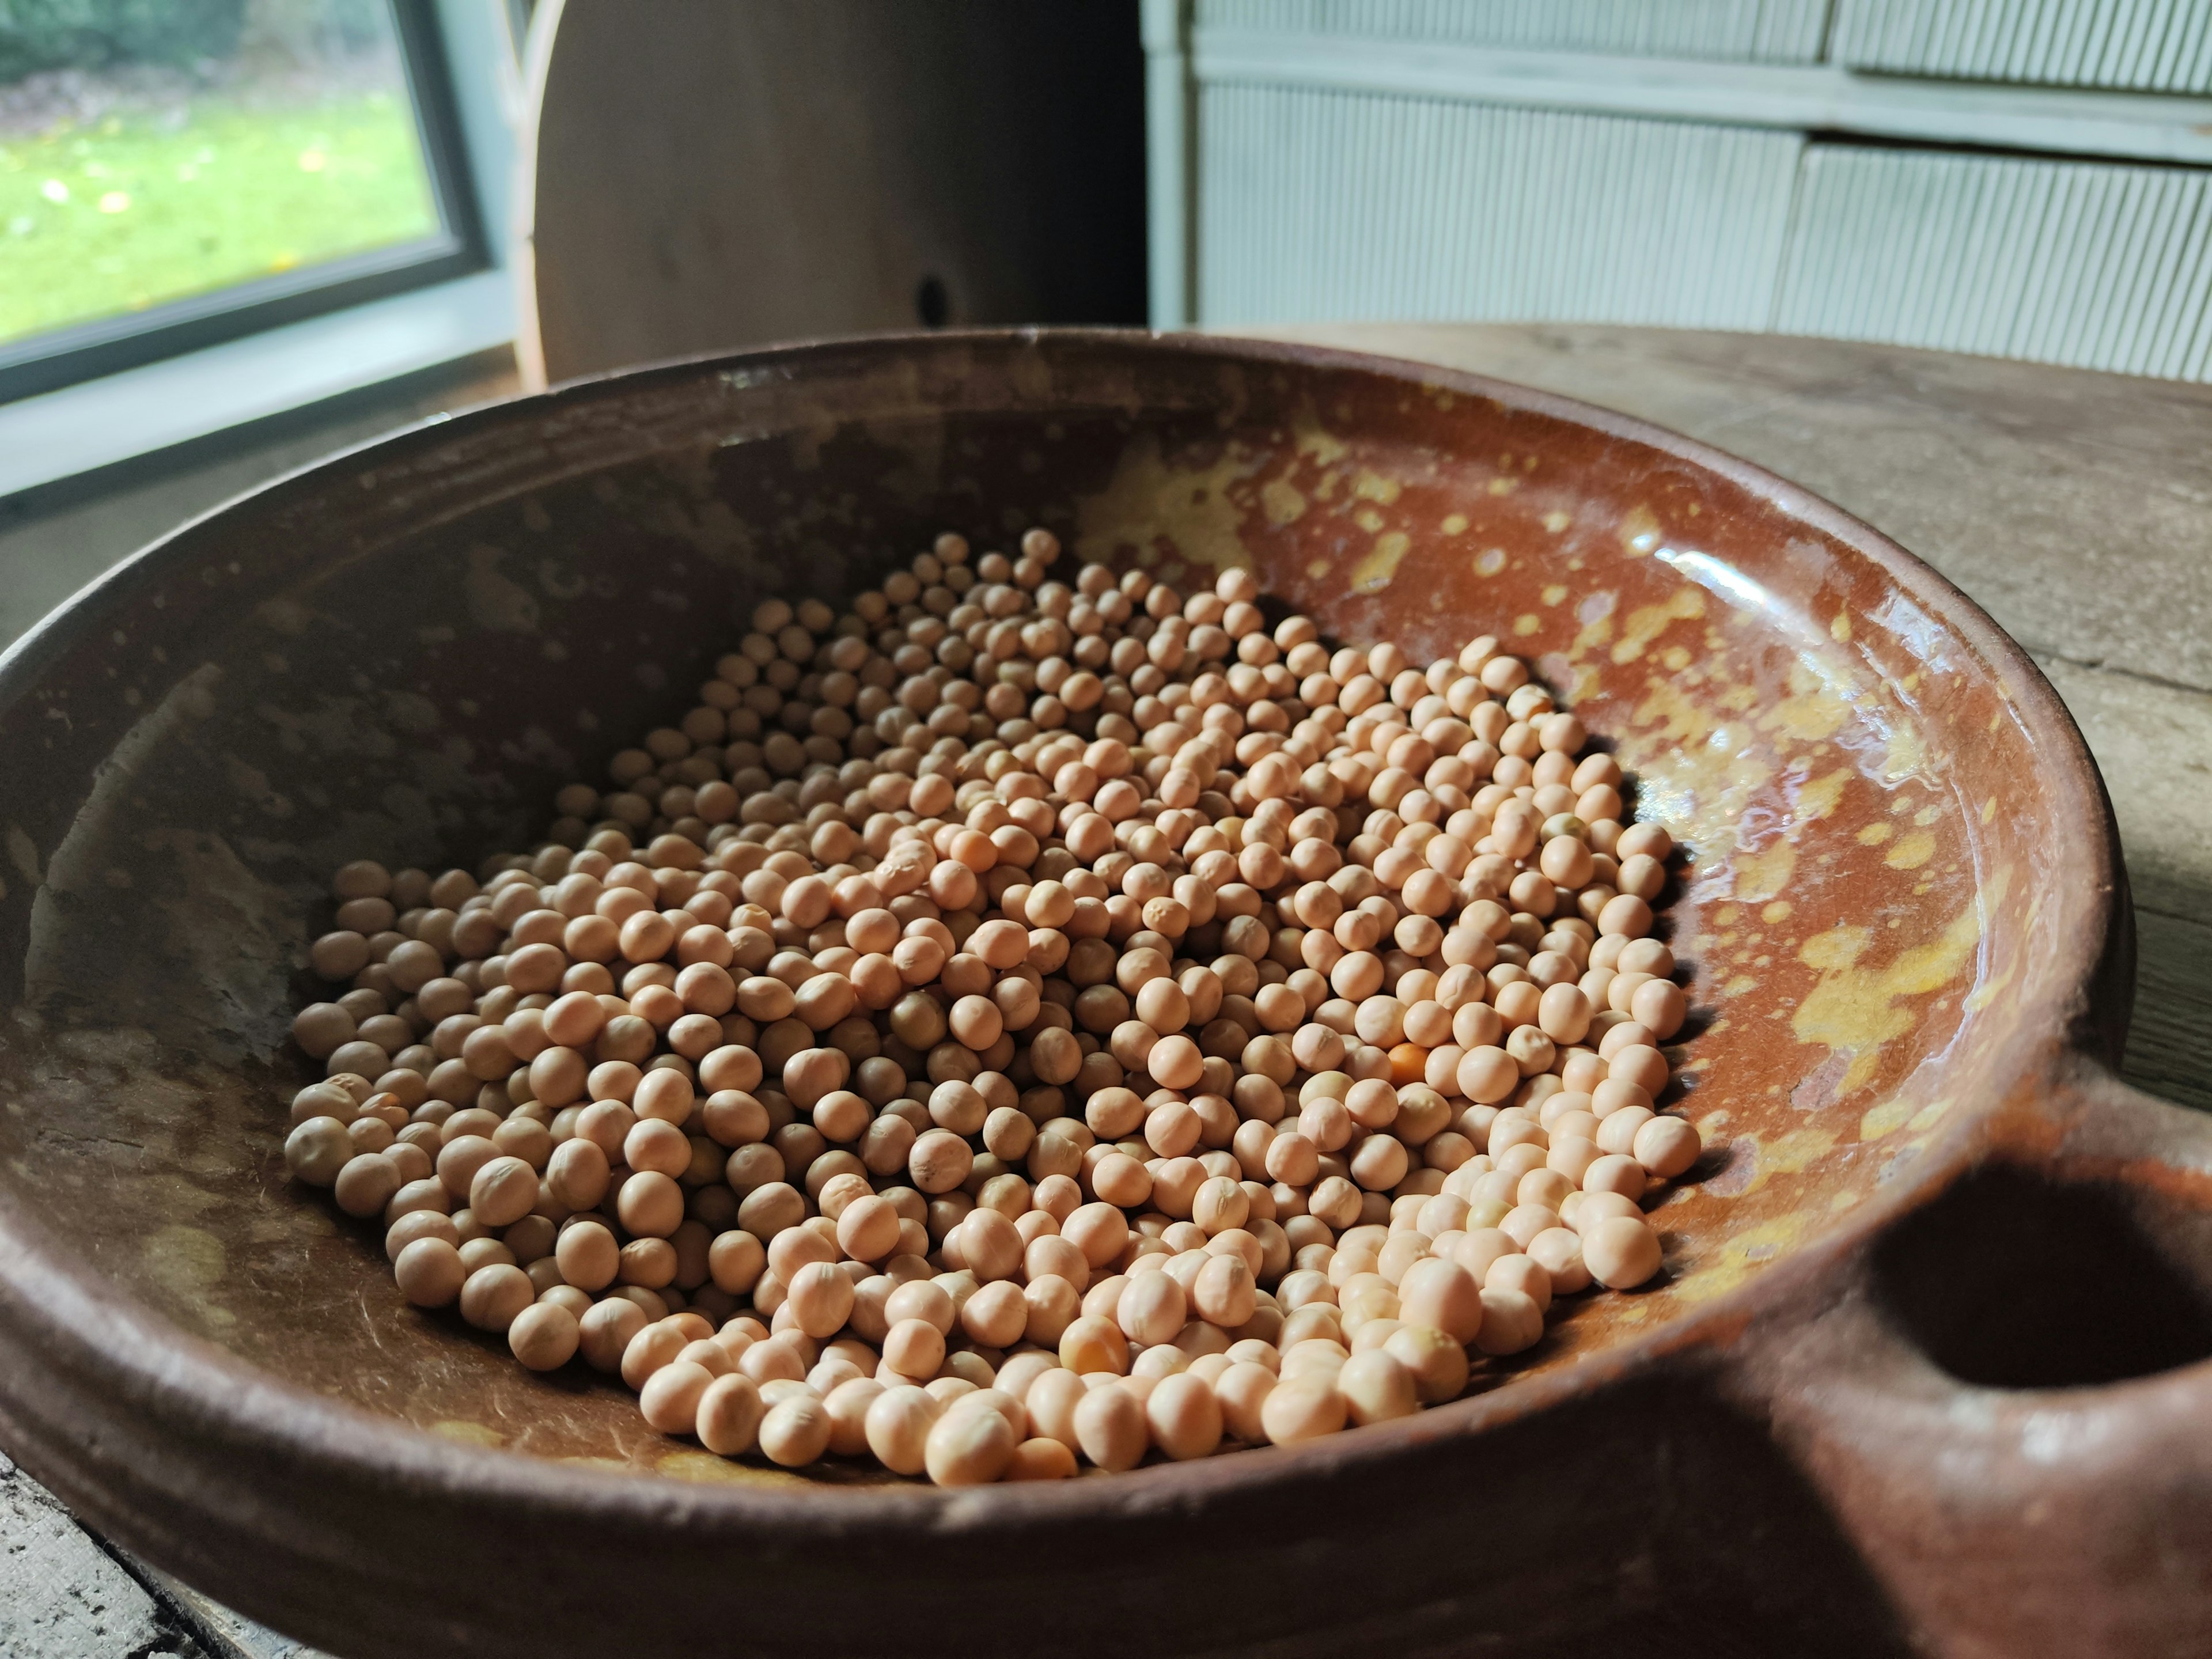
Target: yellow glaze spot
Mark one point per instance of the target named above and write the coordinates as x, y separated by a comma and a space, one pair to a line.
1913, 851
1816, 708
1760, 876
1595, 633
496, 602
1372, 574
1697, 771
1556, 521
1554, 593
1368, 519
1647, 623
1455, 524
1639, 532
1988, 991
1908, 754
23, 854
1894, 1114
1373, 487
189, 1263
1744, 1253
1147, 501
1282, 502
1817, 799
1777, 911
469, 1434
1315, 439
1854, 1010
1795, 1152
1873, 835
1526, 624
1504, 486
1840, 628
705, 1466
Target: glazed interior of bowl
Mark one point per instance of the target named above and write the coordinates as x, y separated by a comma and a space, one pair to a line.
1895, 872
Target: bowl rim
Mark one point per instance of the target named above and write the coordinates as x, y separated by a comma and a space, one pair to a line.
61, 1311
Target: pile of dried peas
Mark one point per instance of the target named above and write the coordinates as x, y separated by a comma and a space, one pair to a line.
1042, 1024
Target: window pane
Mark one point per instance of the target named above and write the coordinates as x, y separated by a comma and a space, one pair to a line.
151, 152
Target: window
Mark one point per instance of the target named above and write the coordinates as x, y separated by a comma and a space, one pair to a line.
177, 173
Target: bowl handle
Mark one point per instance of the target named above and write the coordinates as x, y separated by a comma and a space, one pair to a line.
2004, 1397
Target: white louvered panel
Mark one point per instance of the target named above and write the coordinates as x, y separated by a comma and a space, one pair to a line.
1315, 205
2149, 46
1753, 31
2099, 266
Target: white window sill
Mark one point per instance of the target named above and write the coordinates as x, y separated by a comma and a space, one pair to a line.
79, 428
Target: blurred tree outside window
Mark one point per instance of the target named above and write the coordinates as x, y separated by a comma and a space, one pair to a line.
156, 150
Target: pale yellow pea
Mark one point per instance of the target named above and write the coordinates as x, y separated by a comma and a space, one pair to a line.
728, 1415
1621, 1252
1443, 1296
898, 1425
1376, 1386
923, 1299
1111, 1427
670, 1398
1315, 1320
967, 1446
429, 1272
1151, 1308
1559, 1253
492, 1297
1524, 1274
1665, 1147
1301, 1407
1242, 1390
607, 1331
1224, 1293
1584, 1211
1511, 1321
1093, 1343
318, 1149
1050, 1402
795, 1431
914, 1347
1040, 1460
1437, 1361
820, 1298
1021, 1369
544, 1336
1184, 1417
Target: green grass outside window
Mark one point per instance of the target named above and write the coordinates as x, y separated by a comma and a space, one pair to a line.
131, 211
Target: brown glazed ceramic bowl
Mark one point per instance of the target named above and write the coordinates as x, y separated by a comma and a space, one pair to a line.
1924, 1371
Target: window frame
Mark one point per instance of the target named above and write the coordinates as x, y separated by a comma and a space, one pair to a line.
60, 358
